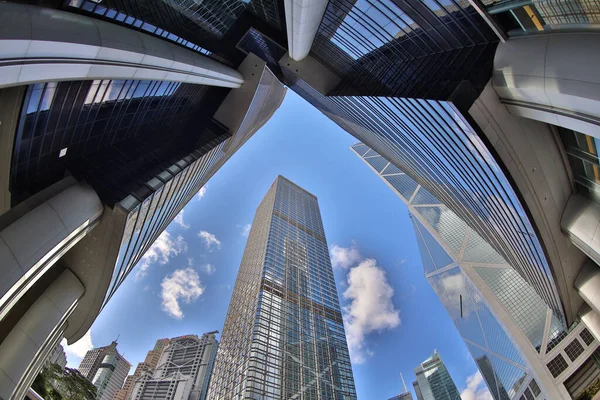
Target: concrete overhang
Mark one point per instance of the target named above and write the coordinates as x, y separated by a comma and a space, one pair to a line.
40, 44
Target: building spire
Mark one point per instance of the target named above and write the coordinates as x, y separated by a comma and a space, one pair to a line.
403, 383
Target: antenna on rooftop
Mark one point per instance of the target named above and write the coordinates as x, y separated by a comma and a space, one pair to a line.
403, 383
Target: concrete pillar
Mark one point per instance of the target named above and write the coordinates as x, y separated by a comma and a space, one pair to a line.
35, 236
24, 350
40, 44
591, 319
588, 285
302, 18
581, 222
552, 78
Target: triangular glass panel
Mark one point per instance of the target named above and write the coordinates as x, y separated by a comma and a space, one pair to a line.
424, 197
377, 162
428, 265
451, 288
478, 250
392, 169
404, 184
484, 363
450, 227
439, 255
517, 297
510, 377
360, 148
497, 339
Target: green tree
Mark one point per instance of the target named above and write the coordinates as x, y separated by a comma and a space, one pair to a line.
75, 386
55, 383
44, 382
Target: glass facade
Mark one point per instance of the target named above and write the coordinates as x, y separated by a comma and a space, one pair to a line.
434, 380
284, 335
434, 144
453, 256
94, 129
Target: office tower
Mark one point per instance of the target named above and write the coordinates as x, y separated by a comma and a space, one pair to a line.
58, 357
516, 340
434, 381
466, 96
106, 369
284, 336
148, 365
183, 371
417, 390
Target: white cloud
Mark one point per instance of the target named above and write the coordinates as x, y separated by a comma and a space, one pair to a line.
201, 192
371, 308
246, 230
77, 350
208, 269
182, 285
179, 220
160, 252
344, 257
210, 240
476, 389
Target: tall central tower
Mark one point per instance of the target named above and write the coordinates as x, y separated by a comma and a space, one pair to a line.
284, 335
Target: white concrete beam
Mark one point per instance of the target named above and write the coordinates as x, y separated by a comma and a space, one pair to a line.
31, 244
588, 285
40, 44
302, 18
552, 78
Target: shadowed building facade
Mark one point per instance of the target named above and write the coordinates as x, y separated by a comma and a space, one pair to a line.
284, 336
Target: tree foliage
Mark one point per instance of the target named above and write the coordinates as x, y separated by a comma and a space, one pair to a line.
55, 383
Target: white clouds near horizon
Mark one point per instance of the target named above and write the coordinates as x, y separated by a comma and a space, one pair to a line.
183, 285
476, 388
77, 350
371, 308
160, 252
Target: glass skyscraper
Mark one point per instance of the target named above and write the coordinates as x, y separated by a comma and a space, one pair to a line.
434, 381
509, 330
284, 335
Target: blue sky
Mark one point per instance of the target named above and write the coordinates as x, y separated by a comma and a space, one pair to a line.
185, 283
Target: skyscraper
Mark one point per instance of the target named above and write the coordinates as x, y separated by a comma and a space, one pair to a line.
434, 380
182, 372
284, 336
447, 90
516, 340
148, 365
106, 369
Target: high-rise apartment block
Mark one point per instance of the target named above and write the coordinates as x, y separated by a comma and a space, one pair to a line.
183, 370
148, 365
515, 338
284, 336
106, 369
115, 113
434, 380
